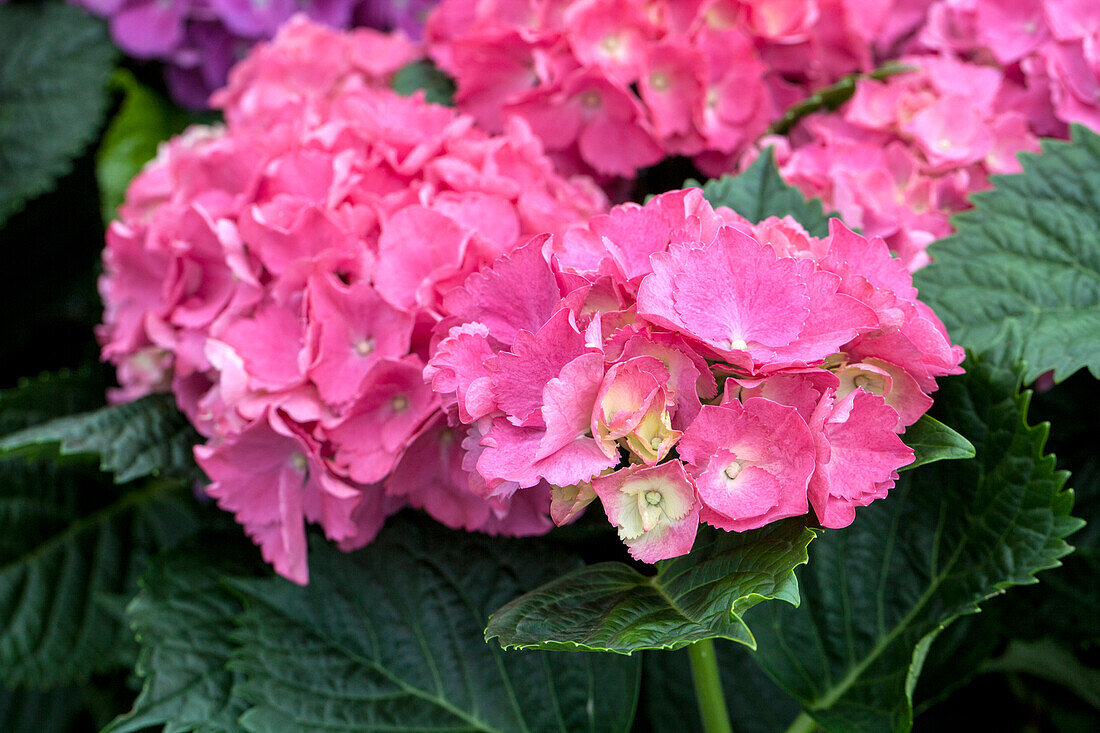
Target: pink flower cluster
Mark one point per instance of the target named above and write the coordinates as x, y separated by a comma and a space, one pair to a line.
283, 275
903, 154
1050, 47
683, 365
612, 86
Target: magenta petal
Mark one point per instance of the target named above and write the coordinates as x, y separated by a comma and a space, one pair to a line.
149, 28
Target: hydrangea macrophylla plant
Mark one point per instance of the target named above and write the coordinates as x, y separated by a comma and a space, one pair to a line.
612, 86
282, 275
904, 153
200, 40
684, 365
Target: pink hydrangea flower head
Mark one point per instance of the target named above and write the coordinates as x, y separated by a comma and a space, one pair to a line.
592, 392
296, 267
908, 150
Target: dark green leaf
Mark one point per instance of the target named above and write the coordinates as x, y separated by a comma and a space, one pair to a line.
53, 79
144, 120
1024, 265
183, 618
760, 192
949, 536
1050, 661
612, 607
29, 711
50, 395
390, 638
67, 537
438, 87
141, 438
932, 441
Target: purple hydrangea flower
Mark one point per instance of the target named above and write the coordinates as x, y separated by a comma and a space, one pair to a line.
200, 40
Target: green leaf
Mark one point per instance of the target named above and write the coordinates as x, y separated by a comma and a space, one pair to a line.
1050, 661
760, 192
438, 87
932, 441
390, 638
141, 438
53, 80
183, 618
949, 536
67, 537
612, 607
1024, 265
50, 395
144, 120
50, 711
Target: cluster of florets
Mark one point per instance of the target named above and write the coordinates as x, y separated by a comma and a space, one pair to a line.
1050, 47
684, 365
282, 275
612, 86
904, 153
201, 39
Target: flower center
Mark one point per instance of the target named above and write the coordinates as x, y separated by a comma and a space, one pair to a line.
733, 470
590, 100
365, 346
659, 81
400, 403
653, 498
611, 45
869, 383
299, 462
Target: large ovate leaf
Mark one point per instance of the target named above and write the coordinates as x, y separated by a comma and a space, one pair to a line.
612, 607
53, 78
390, 638
949, 536
760, 192
1024, 265
932, 441
141, 438
183, 619
144, 120
68, 537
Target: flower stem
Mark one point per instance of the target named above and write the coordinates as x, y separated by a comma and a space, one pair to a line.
708, 687
802, 724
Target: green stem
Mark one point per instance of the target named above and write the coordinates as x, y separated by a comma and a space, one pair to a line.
708, 687
802, 724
